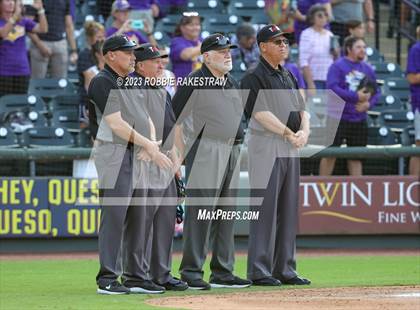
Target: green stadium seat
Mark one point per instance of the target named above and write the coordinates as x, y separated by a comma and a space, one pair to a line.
408, 136
399, 87
8, 139
374, 55
22, 102
84, 138
49, 88
385, 70
205, 7
385, 103
396, 120
47, 137
65, 102
222, 23
382, 136
69, 119
247, 9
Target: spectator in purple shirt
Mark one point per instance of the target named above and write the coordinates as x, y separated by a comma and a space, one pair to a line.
14, 64
344, 78
146, 10
303, 7
185, 45
413, 77
123, 24
247, 51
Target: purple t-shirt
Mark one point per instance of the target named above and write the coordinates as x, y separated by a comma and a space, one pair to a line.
13, 53
303, 7
182, 68
296, 73
141, 4
132, 35
343, 78
413, 66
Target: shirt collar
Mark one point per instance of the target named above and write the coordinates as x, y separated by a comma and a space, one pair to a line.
269, 68
110, 70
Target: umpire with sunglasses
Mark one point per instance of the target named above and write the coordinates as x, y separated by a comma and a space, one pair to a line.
278, 126
215, 112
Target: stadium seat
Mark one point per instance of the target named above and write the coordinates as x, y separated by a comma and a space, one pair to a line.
69, 119
222, 23
22, 102
47, 137
205, 7
385, 103
8, 138
384, 70
49, 88
396, 120
65, 102
408, 136
293, 54
238, 69
399, 87
374, 55
381, 136
168, 23
84, 138
247, 9
162, 37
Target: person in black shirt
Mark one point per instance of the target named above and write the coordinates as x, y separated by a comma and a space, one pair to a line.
278, 126
214, 114
51, 49
160, 213
118, 128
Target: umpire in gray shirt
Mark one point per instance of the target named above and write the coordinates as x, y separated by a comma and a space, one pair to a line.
216, 113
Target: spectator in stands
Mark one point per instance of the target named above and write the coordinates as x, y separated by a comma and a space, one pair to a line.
247, 51
315, 56
90, 61
413, 77
167, 74
146, 10
345, 11
14, 64
185, 45
356, 28
294, 69
123, 24
344, 78
301, 20
281, 13
51, 49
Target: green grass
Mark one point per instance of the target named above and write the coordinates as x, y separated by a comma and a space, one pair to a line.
70, 284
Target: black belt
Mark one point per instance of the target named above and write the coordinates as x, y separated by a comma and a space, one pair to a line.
233, 141
129, 145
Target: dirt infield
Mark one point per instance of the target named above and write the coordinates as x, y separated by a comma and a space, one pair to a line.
374, 298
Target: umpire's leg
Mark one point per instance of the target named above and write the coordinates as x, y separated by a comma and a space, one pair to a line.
287, 221
112, 216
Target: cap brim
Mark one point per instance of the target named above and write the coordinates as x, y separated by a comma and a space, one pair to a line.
216, 48
288, 35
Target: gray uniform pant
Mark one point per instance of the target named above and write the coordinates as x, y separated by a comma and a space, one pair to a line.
272, 238
159, 226
121, 233
209, 168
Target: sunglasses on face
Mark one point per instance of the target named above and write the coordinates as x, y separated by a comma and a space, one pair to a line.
280, 42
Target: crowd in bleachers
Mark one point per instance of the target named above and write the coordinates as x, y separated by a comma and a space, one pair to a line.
61, 40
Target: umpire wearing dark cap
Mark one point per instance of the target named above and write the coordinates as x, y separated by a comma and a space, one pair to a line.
211, 164
160, 213
278, 126
121, 251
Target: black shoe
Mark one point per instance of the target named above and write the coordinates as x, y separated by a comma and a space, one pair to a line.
198, 284
144, 287
268, 281
297, 281
175, 285
236, 282
114, 288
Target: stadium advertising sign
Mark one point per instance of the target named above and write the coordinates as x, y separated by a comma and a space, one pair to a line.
68, 207
360, 205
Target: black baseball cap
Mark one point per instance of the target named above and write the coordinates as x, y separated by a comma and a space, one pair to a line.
216, 41
117, 43
147, 51
269, 32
